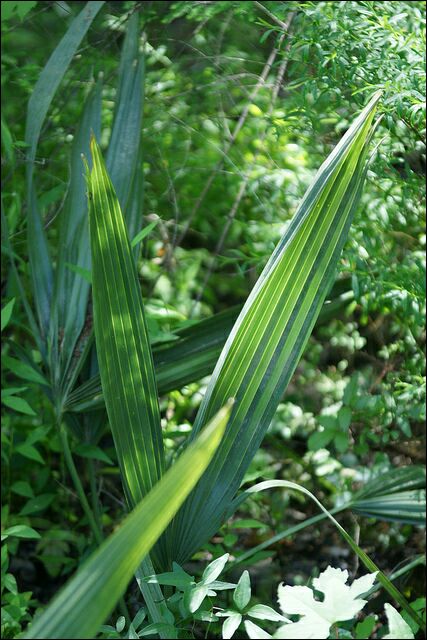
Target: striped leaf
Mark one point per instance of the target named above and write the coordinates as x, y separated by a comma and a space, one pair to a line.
123, 157
90, 596
271, 332
38, 106
71, 294
123, 349
188, 358
194, 352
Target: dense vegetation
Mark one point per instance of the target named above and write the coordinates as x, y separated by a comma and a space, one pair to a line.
123, 282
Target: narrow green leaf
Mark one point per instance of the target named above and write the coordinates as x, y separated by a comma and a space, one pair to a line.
90, 596
20, 531
28, 451
144, 232
22, 488
124, 353
91, 451
37, 504
18, 404
71, 326
123, 156
272, 330
38, 106
23, 370
6, 313
189, 358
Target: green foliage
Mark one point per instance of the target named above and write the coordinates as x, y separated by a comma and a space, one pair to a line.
213, 119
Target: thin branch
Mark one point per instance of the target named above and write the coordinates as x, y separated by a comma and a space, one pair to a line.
240, 123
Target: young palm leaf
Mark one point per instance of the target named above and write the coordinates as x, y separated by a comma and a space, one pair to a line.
123, 155
90, 596
38, 106
123, 348
271, 332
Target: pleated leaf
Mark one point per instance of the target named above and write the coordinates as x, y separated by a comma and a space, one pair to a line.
123, 156
69, 310
90, 596
194, 353
38, 106
188, 358
123, 348
398, 495
271, 332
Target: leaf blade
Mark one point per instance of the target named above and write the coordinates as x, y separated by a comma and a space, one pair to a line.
88, 598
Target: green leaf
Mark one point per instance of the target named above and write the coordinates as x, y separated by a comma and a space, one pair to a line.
344, 418
38, 106
11, 391
23, 370
6, 313
231, 625
341, 442
263, 612
18, 404
328, 422
214, 569
120, 624
398, 628
350, 393
191, 356
194, 596
124, 353
90, 596
242, 593
123, 156
365, 628
396, 495
84, 273
272, 330
28, 451
320, 439
91, 451
172, 578
255, 632
22, 488
21, 9
37, 504
144, 232
70, 327
20, 531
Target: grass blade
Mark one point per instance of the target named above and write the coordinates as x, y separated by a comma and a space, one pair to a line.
90, 596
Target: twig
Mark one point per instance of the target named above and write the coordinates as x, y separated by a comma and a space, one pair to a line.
233, 211
240, 123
